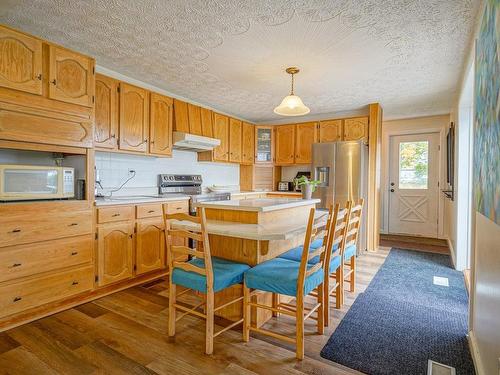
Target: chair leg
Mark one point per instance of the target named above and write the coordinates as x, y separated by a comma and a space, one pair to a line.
320, 311
326, 301
209, 333
352, 276
276, 302
340, 288
300, 327
246, 313
171, 309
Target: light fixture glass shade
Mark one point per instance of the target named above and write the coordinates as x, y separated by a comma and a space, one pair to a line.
291, 105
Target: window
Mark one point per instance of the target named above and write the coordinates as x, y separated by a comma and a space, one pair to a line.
413, 165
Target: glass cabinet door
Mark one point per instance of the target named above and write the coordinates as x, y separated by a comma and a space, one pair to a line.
263, 145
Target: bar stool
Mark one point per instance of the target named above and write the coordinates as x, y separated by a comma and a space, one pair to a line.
283, 276
350, 247
203, 274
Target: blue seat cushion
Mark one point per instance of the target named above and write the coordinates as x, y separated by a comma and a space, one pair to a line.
280, 275
226, 273
349, 252
296, 253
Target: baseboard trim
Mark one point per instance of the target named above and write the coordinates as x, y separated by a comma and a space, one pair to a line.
474, 351
452, 253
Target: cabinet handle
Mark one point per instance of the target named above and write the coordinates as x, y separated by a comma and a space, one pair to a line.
74, 252
15, 230
115, 215
131, 235
151, 211
17, 299
16, 265
113, 135
74, 283
39, 77
72, 225
53, 81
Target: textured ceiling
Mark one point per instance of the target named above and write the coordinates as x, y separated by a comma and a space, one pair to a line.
231, 55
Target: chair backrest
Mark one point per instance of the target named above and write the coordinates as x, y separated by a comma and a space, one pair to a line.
354, 224
196, 231
307, 255
338, 230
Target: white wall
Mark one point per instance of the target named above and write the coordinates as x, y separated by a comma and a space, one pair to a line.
411, 126
113, 170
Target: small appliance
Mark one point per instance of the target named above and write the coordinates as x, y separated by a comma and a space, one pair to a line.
285, 186
34, 182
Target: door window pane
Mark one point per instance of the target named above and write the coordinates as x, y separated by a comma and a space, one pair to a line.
413, 165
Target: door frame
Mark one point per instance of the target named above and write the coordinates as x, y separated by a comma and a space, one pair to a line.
384, 182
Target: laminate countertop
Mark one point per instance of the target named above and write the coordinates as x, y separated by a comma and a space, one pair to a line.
139, 199
258, 204
260, 232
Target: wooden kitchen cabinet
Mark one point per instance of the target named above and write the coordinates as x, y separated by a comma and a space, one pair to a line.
181, 116
194, 115
106, 112
71, 77
264, 144
115, 243
160, 125
150, 245
305, 135
330, 131
20, 61
285, 144
355, 129
134, 118
247, 143
221, 131
234, 140
206, 122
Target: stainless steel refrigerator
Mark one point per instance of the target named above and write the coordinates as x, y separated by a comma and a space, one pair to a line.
342, 168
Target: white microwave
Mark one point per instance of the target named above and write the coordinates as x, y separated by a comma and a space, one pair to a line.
31, 182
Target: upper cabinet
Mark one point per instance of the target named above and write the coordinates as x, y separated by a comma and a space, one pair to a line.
134, 118
235, 140
330, 131
356, 129
71, 77
194, 115
106, 112
221, 132
264, 144
305, 137
207, 128
181, 116
20, 62
285, 144
160, 126
247, 143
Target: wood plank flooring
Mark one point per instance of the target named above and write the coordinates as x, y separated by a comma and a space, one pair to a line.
125, 333
432, 245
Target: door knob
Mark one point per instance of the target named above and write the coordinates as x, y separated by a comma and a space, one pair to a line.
392, 190
392, 183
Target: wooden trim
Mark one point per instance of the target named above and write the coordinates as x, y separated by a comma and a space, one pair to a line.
17, 145
374, 167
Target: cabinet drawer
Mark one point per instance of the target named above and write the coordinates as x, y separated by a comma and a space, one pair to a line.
111, 214
148, 210
178, 206
24, 295
26, 227
31, 259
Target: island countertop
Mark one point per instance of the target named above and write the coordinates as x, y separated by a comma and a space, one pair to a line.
258, 204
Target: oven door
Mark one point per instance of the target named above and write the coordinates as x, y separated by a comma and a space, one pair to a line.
30, 182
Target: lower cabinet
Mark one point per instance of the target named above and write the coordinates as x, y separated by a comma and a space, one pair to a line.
150, 245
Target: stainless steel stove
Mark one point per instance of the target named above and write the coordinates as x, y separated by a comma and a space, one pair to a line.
189, 185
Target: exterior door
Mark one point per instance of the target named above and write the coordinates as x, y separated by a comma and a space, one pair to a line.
413, 185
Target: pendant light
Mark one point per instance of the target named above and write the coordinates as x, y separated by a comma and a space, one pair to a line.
292, 105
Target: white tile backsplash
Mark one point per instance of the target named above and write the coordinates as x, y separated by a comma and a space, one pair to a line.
113, 170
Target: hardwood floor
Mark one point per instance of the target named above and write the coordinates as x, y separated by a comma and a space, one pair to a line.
125, 333
433, 245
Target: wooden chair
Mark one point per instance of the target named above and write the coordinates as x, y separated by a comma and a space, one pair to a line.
287, 277
203, 274
350, 246
333, 284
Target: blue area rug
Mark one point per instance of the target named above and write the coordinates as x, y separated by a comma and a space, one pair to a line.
402, 319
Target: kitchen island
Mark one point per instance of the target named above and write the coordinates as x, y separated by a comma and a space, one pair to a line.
253, 231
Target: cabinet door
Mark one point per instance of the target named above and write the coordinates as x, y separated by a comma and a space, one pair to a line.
134, 113
305, 136
20, 62
247, 143
194, 114
207, 123
221, 131
106, 112
234, 140
181, 116
150, 245
356, 128
160, 125
330, 131
264, 144
114, 252
285, 144
71, 77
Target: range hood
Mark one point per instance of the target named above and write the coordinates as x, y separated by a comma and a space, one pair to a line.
192, 142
